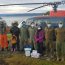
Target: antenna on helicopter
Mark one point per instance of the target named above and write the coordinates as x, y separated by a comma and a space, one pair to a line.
55, 7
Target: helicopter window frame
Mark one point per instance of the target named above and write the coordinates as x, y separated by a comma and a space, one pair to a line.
53, 20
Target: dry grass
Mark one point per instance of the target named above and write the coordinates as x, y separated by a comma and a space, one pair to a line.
21, 59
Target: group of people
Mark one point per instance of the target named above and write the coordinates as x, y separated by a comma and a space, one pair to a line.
48, 41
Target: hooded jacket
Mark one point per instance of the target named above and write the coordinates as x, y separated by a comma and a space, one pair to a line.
40, 36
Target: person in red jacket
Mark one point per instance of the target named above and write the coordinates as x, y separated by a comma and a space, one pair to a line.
3, 35
4, 43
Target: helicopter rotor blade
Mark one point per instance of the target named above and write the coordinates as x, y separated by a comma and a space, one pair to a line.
46, 4
21, 4
31, 4
37, 8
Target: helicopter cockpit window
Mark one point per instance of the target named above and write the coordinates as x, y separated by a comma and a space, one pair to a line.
41, 22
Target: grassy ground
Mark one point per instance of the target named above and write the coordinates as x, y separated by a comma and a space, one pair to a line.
21, 59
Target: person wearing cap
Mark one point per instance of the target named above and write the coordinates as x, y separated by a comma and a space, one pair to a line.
49, 41
60, 42
32, 29
23, 35
39, 38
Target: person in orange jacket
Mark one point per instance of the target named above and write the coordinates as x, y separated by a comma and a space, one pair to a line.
3, 35
13, 42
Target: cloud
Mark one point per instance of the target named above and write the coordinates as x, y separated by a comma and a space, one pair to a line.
20, 9
14, 9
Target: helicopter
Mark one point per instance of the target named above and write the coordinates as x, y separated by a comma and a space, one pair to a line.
53, 4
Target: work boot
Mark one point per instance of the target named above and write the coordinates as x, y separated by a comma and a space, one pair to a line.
48, 59
58, 59
62, 59
7, 49
2, 49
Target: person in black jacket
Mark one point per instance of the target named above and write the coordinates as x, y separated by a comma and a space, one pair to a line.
16, 31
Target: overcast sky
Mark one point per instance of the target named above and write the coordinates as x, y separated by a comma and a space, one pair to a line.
24, 8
